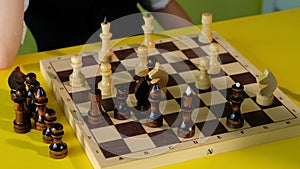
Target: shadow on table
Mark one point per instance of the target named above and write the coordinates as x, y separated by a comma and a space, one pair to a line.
292, 95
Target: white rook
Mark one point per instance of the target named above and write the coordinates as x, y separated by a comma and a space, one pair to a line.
205, 36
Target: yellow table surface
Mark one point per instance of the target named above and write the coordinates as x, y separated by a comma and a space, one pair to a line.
268, 41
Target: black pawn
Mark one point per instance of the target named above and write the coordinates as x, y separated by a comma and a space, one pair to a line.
236, 119
40, 101
121, 111
50, 119
58, 149
155, 118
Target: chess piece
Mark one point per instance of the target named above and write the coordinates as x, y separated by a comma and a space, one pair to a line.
32, 86
141, 69
203, 79
95, 114
22, 122
214, 63
205, 36
187, 127
40, 101
16, 78
148, 28
77, 79
141, 92
58, 149
155, 118
105, 85
121, 111
151, 61
236, 119
267, 85
156, 72
50, 119
105, 36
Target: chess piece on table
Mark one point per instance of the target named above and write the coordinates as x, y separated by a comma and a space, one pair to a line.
50, 119
58, 149
40, 101
267, 85
30, 98
105, 36
16, 80
214, 63
76, 78
141, 69
205, 36
105, 85
121, 110
187, 128
95, 113
148, 28
236, 119
203, 79
22, 123
155, 118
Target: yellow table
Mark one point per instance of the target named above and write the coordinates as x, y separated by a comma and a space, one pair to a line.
268, 41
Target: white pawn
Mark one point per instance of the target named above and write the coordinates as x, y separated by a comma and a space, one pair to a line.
141, 69
214, 63
77, 79
203, 79
205, 36
105, 85
105, 36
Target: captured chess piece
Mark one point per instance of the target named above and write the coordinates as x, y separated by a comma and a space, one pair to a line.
77, 79
187, 127
105, 37
58, 149
267, 85
203, 79
141, 69
22, 123
214, 63
121, 111
50, 119
205, 36
148, 28
40, 101
236, 119
16, 78
95, 114
155, 118
31, 85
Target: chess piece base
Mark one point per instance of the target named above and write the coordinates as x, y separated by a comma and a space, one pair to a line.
22, 128
264, 100
94, 120
204, 39
158, 122
234, 124
58, 155
80, 82
121, 115
186, 133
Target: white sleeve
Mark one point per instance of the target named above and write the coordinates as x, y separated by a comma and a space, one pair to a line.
153, 5
26, 3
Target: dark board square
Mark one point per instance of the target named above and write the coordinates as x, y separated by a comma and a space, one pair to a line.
163, 138
160, 59
64, 75
173, 119
108, 104
183, 66
175, 79
221, 110
212, 127
226, 58
197, 102
194, 53
244, 78
107, 121
88, 61
221, 74
80, 97
257, 118
165, 47
130, 129
93, 81
114, 148
198, 91
125, 54
117, 67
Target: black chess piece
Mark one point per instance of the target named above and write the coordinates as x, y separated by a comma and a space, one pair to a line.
187, 128
236, 119
155, 118
95, 113
40, 101
50, 119
151, 61
142, 90
58, 149
121, 110
22, 122
32, 86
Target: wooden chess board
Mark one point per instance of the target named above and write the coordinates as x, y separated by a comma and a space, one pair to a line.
131, 143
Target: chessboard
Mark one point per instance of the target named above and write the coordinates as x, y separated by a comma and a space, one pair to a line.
120, 143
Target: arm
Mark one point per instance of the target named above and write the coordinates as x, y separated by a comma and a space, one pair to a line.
173, 8
11, 30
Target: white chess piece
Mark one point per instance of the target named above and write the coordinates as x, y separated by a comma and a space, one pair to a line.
205, 36
141, 69
105, 85
203, 79
76, 79
148, 28
214, 63
267, 85
105, 36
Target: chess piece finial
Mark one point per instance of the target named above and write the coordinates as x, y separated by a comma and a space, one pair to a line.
58, 149
105, 36
205, 36
236, 119
267, 85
